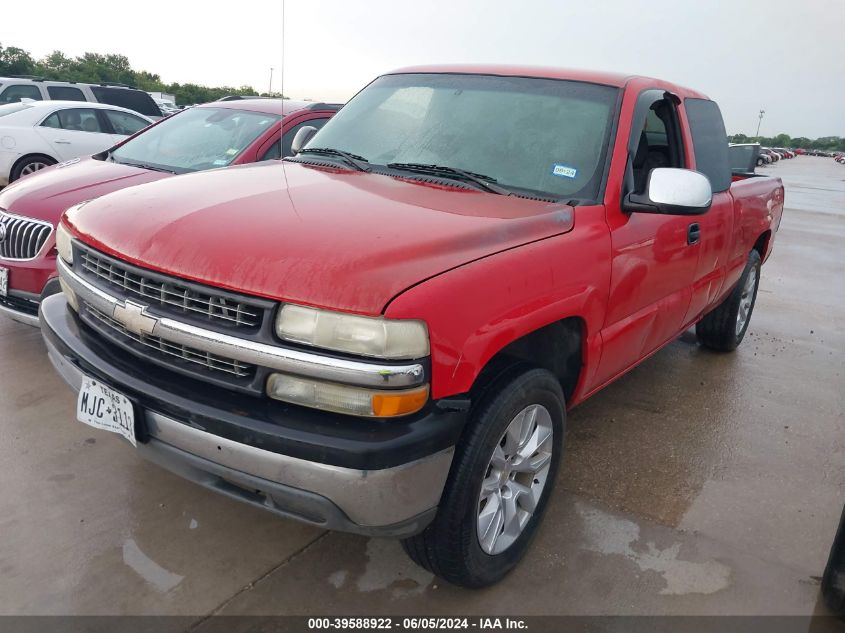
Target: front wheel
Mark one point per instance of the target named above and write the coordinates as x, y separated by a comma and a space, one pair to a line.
501, 477
725, 326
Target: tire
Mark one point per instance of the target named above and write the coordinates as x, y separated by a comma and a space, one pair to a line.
29, 165
760, 162
451, 546
724, 327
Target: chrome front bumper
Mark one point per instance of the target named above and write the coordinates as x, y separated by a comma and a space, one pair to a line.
398, 501
300, 363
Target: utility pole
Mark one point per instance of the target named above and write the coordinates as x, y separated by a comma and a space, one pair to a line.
759, 121
270, 89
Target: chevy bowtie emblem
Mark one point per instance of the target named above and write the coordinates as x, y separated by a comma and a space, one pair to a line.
134, 317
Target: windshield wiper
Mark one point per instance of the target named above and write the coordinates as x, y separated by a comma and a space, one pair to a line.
358, 162
142, 165
488, 183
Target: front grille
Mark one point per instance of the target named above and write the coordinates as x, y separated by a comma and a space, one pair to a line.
170, 350
195, 301
23, 238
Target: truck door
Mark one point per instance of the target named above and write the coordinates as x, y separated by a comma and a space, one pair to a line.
654, 256
717, 227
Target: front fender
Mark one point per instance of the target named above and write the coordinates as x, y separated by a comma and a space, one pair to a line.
475, 310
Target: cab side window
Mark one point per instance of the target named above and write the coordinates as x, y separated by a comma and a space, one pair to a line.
20, 91
287, 139
660, 142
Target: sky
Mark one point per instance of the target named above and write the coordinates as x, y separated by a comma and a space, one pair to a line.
783, 56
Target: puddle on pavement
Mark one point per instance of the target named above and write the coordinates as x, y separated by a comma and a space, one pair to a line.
610, 535
156, 575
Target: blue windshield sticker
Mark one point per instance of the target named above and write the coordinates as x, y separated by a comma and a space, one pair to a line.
564, 170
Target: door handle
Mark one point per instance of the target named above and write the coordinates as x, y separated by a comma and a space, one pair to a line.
693, 233
62, 142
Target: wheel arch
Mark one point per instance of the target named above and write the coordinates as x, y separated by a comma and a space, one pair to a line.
558, 347
762, 244
24, 157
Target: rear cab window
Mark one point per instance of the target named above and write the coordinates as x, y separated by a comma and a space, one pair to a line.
16, 92
710, 142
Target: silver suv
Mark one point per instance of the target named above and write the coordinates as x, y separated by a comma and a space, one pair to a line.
15, 88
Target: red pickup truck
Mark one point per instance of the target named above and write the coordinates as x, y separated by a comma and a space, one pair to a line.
383, 333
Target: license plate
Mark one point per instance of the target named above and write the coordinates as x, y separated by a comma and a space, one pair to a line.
4, 281
104, 408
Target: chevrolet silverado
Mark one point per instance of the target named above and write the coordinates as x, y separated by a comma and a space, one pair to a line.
382, 334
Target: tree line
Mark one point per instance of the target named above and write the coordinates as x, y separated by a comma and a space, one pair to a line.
825, 143
96, 68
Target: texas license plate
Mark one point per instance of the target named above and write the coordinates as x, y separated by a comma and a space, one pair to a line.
104, 408
4, 281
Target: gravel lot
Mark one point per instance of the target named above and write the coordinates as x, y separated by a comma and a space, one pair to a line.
698, 483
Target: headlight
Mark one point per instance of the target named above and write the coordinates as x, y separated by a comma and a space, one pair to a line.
344, 398
368, 336
63, 243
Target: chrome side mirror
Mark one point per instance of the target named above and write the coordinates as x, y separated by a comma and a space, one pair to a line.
301, 138
673, 192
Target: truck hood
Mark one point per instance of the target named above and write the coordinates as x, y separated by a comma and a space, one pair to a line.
46, 194
313, 235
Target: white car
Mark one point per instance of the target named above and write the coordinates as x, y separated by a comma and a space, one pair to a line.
36, 134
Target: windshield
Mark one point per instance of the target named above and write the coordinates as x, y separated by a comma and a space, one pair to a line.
539, 135
199, 138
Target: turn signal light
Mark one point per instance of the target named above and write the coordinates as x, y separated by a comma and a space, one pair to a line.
330, 396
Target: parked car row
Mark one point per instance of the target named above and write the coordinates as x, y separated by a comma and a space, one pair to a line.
382, 332
36, 134
16, 88
774, 154
208, 136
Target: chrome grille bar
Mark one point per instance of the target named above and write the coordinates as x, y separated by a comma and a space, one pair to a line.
24, 237
183, 352
314, 365
173, 294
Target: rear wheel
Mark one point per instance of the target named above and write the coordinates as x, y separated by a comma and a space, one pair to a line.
30, 165
501, 477
724, 327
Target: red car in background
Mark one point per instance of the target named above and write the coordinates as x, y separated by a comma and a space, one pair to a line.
208, 136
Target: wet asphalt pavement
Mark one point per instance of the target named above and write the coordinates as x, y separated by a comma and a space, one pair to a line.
698, 483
